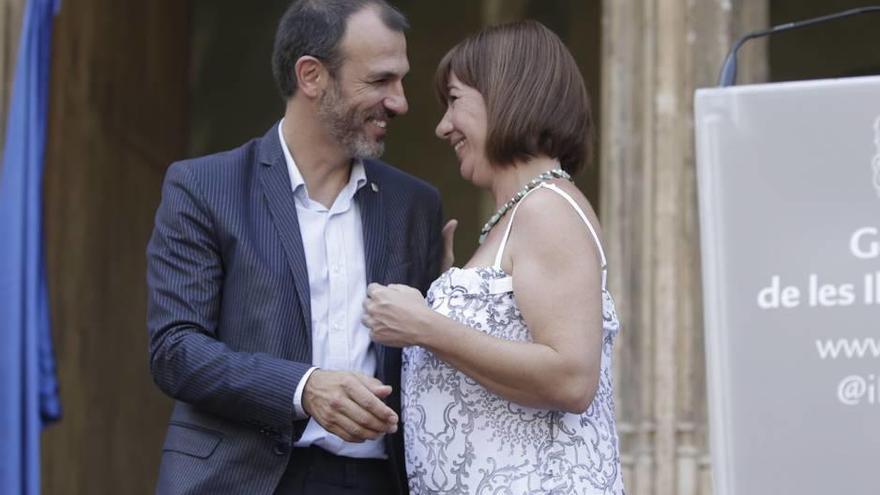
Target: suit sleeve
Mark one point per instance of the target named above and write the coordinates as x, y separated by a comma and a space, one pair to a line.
185, 285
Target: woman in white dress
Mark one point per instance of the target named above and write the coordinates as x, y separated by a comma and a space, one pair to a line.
507, 366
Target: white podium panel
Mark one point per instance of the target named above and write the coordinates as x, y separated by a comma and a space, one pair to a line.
789, 189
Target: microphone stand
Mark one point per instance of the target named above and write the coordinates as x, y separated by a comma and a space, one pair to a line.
728, 70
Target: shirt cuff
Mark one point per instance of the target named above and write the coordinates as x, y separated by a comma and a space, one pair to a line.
298, 412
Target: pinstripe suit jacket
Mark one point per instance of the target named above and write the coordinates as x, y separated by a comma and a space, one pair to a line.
229, 310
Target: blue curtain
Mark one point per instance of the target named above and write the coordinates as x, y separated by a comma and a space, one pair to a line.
28, 385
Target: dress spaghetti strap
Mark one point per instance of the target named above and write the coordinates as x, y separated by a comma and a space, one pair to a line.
577, 208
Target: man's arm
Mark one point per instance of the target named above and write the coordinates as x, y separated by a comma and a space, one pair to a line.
185, 283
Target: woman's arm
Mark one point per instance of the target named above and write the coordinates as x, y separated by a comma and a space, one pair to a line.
556, 277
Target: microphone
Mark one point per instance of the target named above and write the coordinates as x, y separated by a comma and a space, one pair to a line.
728, 70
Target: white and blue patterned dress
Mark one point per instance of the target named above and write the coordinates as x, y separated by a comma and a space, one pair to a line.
461, 438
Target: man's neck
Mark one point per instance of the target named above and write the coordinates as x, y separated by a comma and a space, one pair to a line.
324, 165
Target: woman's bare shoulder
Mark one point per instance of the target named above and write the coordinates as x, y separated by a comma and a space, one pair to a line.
546, 210
546, 224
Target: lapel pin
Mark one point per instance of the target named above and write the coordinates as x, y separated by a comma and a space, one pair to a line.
374, 186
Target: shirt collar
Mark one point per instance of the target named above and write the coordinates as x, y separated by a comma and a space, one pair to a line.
356, 180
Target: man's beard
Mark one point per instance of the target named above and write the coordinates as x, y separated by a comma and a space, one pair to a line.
347, 124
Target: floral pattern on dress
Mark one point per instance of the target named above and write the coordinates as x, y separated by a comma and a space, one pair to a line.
460, 438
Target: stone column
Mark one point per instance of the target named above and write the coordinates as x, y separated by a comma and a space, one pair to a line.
655, 53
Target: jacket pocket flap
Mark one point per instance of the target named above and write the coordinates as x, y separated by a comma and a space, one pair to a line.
191, 440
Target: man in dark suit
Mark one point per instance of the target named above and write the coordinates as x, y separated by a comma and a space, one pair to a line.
258, 267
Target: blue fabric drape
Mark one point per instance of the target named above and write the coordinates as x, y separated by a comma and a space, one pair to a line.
28, 385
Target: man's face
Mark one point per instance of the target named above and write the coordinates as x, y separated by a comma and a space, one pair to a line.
367, 90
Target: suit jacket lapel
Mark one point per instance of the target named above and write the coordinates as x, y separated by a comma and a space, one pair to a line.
370, 202
276, 185
370, 199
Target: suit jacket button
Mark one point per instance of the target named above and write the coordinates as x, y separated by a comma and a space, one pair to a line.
281, 448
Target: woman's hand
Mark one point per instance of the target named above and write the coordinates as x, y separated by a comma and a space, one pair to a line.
448, 234
395, 314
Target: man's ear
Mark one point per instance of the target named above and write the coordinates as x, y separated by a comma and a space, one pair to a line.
311, 76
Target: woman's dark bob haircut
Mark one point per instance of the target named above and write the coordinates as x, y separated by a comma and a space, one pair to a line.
536, 101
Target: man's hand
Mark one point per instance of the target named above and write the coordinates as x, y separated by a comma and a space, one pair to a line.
396, 314
448, 234
349, 405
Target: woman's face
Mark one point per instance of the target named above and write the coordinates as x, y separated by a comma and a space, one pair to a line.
464, 126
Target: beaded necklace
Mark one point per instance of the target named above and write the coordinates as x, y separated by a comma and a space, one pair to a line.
556, 173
